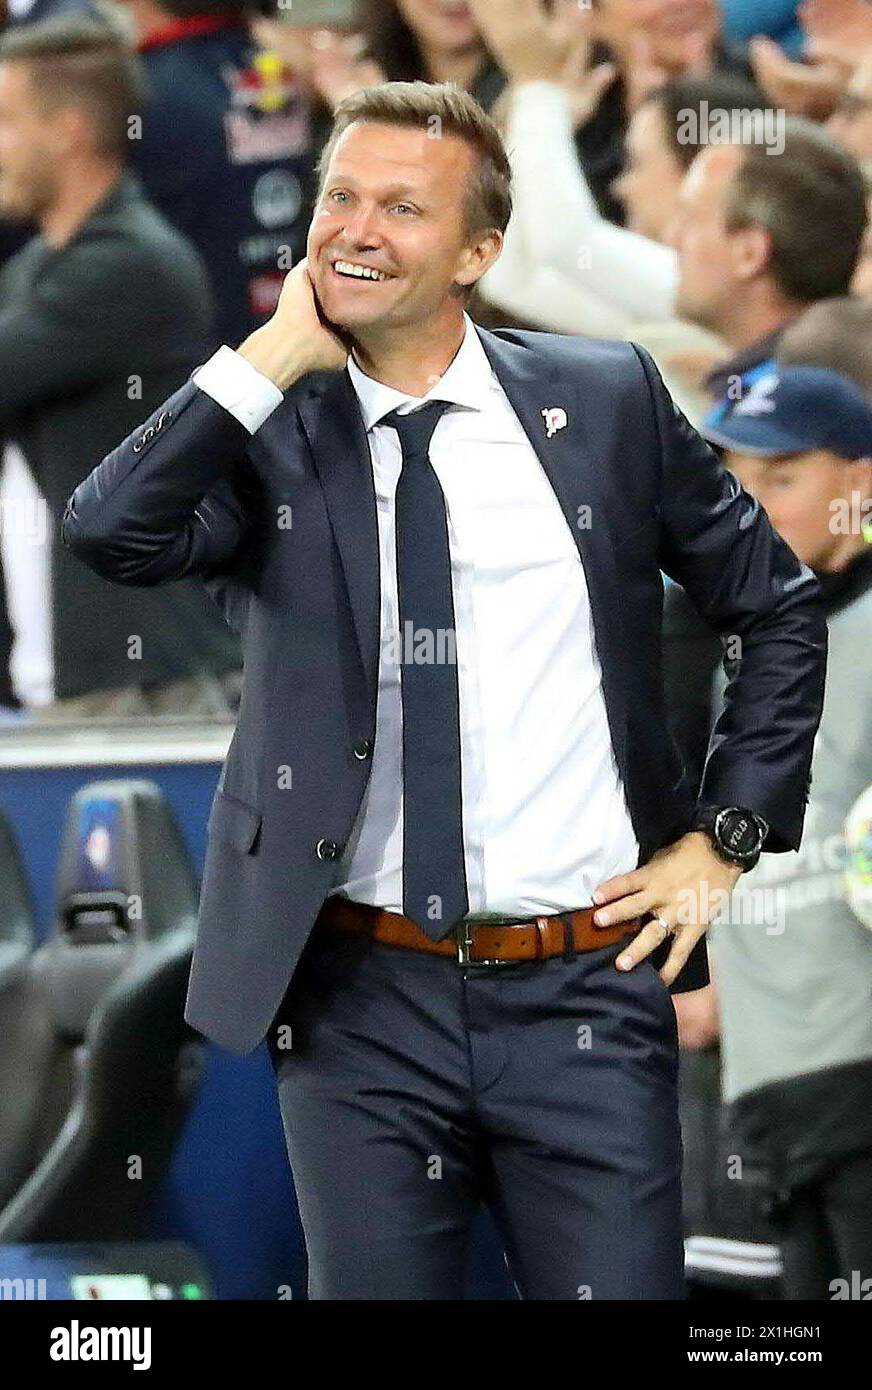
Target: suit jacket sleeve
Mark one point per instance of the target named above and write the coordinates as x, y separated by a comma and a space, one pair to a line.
718, 543
175, 498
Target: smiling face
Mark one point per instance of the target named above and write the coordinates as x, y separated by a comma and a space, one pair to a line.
393, 206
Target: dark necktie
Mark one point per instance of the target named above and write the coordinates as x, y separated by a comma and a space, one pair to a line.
434, 874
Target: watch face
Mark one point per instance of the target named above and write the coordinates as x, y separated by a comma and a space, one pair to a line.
738, 833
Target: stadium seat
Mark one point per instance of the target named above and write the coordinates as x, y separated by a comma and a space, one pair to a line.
107, 1067
19, 1029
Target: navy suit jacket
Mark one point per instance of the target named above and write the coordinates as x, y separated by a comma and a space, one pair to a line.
281, 527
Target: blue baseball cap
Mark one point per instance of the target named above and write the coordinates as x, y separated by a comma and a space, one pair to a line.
792, 410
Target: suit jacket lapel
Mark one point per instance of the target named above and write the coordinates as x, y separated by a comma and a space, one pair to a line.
334, 427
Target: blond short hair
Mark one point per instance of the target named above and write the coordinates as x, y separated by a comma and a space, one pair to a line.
444, 109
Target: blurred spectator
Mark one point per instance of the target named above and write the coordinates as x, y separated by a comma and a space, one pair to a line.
226, 150
102, 315
760, 237
838, 37
803, 89
851, 122
662, 144
34, 11
431, 41
13, 12
835, 333
327, 55
8, 698
582, 273
393, 40
840, 30
775, 18
646, 43
649, 41
861, 284
793, 966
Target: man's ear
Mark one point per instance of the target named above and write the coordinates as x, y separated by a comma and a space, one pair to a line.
752, 251
73, 127
478, 258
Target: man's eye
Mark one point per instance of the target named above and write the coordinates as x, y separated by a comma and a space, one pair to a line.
404, 207
338, 194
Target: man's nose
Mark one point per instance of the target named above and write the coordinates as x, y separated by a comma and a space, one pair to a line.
361, 227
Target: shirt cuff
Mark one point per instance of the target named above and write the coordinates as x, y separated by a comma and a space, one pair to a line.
231, 380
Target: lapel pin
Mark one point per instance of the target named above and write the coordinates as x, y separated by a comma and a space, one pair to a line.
555, 419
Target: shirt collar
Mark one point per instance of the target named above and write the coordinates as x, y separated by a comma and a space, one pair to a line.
466, 381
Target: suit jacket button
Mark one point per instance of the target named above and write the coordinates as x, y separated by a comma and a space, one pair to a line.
362, 749
327, 849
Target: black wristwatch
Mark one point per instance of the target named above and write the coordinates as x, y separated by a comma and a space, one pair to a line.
737, 834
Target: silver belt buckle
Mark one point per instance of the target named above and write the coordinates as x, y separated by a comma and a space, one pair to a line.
463, 938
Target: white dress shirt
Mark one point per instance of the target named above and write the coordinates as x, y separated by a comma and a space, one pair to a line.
545, 819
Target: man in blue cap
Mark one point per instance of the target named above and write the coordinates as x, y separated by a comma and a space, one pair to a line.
792, 965
797, 434
800, 441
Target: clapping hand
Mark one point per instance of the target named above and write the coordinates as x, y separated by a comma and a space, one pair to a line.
839, 31
804, 89
530, 43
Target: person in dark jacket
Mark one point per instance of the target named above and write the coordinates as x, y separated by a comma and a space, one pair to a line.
102, 313
226, 149
597, 1214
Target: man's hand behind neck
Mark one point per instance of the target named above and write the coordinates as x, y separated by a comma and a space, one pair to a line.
297, 339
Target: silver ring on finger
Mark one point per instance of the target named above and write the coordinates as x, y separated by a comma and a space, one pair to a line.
661, 921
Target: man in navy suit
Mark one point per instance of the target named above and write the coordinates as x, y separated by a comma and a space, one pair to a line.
452, 839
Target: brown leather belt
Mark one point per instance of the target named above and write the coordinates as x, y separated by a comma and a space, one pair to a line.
480, 943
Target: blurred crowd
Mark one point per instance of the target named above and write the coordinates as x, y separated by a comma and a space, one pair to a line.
692, 175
